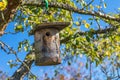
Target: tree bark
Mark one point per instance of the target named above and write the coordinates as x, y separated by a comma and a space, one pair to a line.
8, 13
13, 4
23, 69
75, 10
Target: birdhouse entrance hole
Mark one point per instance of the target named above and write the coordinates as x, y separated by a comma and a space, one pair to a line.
47, 33
47, 43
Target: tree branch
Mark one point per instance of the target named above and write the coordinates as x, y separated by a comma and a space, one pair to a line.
13, 4
100, 31
8, 13
11, 9
6, 48
73, 9
23, 69
88, 4
25, 66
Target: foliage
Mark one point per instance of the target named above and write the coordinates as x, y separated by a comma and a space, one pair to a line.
3, 5
94, 36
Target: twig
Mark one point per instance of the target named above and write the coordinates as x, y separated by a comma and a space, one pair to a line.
97, 23
102, 31
87, 4
3, 45
2, 15
73, 9
11, 33
24, 63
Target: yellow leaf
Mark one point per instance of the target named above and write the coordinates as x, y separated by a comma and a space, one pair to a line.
98, 7
105, 5
77, 23
30, 57
91, 7
108, 53
3, 5
5, 2
87, 25
84, 21
19, 27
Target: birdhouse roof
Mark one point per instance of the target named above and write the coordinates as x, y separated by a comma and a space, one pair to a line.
47, 25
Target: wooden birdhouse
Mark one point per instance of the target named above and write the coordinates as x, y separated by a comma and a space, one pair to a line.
47, 43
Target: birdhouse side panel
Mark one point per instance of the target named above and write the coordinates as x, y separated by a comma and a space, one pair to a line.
47, 46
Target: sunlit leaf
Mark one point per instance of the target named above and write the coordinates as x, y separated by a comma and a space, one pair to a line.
77, 23
91, 7
19, 28
118, 8
3, 5
87, 25
105, 5
98, 7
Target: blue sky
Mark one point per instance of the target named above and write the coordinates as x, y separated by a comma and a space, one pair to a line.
13, 40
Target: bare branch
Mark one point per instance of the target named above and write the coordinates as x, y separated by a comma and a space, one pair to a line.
4, 46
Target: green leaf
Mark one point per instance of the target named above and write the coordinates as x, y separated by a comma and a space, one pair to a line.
88, 38
86, 65
12, 63
91, 7
69, 63
20, 46
90, 19
26, 48
97, 63
56, 72
19, 28
98, 7
118, 8
77, 23
84, 21
95, 48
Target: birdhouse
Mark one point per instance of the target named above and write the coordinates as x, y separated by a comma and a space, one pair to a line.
47, 43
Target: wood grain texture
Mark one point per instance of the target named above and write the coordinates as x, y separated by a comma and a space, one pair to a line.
47, 45
56, 25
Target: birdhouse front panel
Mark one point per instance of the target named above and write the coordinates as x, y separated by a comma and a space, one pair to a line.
47, 45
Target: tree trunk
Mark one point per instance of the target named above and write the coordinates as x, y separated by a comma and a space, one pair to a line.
8, 13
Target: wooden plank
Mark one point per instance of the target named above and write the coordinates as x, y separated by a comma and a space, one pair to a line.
55, 25
47, 45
